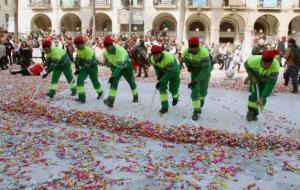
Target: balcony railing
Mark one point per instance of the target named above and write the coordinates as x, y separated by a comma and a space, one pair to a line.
165, 4
133, 3
40, 4
102, 4
269, 4
199, 4
234, 4
69, 4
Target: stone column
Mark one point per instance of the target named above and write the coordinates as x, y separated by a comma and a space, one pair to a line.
215, 35
181, 24
116, 27
247, 45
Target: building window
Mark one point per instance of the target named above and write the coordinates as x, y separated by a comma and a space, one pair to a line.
234, 3
199, 3
164, 2
270, 3
197, 26
126, 3
167, 26
226, 27
226, 3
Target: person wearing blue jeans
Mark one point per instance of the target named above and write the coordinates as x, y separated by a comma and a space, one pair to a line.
292, 65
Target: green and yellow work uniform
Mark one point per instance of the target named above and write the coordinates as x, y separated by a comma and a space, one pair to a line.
168, 73
199, 65
59, 62
87, 62
120, 65
267, 79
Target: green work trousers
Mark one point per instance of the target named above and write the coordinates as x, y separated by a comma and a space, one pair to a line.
66, 69
92, 72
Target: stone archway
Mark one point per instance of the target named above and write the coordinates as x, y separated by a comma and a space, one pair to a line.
232, 29
103, 23
41, 22
266, 25
198, 25
70, 23
294, 29
165, 22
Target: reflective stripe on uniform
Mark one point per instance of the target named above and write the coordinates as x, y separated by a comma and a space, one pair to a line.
52, 86
72, 85
80, 90
99, 90
164, 97
135, 92
112, 92
254, 105
196, 104
176, 96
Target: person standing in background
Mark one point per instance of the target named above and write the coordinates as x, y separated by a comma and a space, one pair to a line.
292, 59
282, 47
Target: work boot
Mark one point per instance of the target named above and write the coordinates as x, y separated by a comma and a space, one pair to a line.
99, 95
251, 116
295, 88
295, 91
80, 100
195, 117
175, 101
163, 110
135, 99
108, 103
73, 93
50, 95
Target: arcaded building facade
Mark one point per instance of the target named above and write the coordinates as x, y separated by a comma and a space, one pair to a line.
215, 21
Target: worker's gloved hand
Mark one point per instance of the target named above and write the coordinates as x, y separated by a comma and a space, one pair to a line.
192, 84
157, 85
77, 72
111, 79
261, 101
254, 79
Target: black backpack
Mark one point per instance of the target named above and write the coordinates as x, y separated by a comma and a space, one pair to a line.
296, 56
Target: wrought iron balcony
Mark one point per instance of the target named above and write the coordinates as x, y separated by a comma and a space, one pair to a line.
234, 4
101, 4
69, 4
269, 4
40, 4
165, 4
134, 3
